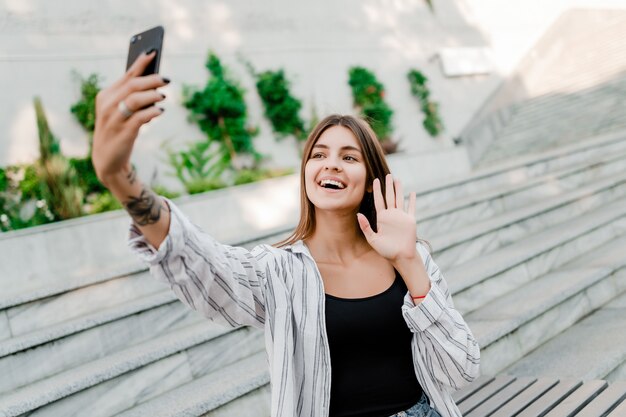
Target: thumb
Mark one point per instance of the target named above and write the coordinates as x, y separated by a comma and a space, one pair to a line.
365, 226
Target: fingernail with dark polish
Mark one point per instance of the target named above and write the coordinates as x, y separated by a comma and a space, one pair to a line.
162, 95
166, 80
162, 109
149, 51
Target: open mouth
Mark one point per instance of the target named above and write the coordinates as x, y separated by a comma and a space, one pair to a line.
332, 184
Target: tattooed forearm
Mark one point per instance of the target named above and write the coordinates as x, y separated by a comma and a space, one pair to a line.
132, 175
145, 209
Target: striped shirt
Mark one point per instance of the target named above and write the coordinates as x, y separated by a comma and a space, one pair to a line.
281, 291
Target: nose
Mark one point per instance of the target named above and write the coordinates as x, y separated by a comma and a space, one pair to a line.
331, 163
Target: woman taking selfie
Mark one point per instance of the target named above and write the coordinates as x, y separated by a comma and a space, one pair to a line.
358, 319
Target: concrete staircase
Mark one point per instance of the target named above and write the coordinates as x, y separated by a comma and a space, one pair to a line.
555, 119
533, 250
569, 87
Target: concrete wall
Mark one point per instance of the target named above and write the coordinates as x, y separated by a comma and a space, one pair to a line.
41, 43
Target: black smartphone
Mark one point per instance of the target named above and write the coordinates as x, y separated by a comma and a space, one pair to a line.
143, 42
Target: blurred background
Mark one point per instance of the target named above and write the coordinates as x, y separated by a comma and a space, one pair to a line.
506, 117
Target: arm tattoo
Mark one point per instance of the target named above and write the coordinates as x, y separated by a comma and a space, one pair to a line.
132, 175
145, 209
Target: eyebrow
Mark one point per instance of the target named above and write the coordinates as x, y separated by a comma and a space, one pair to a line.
347, 147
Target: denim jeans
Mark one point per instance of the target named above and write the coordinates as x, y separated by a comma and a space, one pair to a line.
421, 409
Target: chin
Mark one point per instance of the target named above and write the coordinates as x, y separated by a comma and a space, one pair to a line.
339, 207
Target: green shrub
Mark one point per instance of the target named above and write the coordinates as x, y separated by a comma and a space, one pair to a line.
368, 97
201, 185
60, 182
31, 186
87, 178
221, 113
281, 108
432, 121
161, 190
198, 164
102, 202
13, 214
85, 108
17, 210
48, 144
4, 180
62, 191
246, 176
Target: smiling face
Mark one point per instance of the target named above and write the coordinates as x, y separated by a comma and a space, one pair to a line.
331, 134
335, 173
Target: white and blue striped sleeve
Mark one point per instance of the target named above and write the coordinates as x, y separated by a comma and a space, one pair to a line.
450, 350
224, 283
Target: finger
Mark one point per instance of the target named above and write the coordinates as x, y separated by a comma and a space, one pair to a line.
379, 203
148, 82
412, 198
139, 100
399, 194
137, 68
141, 63
144, 116
389, 192
365, 226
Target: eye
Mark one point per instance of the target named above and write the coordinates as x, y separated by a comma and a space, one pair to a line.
316, 155
350, 158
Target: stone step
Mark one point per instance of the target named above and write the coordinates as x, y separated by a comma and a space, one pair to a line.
571, 110
126, 377
482, 237
544, 121
172, 380
544, 107
96, 316
242, 386
484, 205
538, 139
479, 281
520, 169
57, 310
518, 322
95, 343
599, 341
566, 125
561, 112
538, 143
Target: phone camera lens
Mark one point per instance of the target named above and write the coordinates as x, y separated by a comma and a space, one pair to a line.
133, 39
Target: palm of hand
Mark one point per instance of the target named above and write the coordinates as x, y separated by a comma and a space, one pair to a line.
396, 234
396, 228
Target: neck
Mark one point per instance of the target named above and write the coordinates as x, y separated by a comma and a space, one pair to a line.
337, 238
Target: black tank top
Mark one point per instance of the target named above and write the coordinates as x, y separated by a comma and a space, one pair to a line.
372, 372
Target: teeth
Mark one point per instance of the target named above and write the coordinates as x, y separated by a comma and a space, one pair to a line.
333, 182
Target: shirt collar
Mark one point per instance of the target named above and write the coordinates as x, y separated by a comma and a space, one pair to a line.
298, 247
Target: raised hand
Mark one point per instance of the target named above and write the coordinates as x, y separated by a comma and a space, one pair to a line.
121, 110
396, 229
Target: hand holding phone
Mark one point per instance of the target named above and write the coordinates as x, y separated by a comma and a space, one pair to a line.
126, 105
